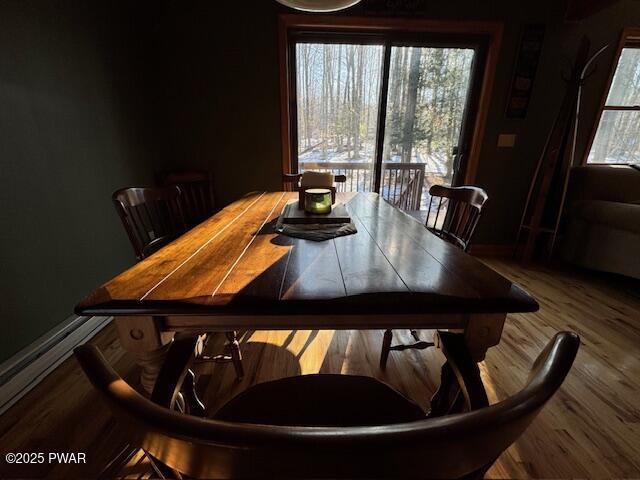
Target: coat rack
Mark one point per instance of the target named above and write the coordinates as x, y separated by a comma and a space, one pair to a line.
539, 218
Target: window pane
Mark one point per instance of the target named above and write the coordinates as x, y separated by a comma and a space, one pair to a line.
428, 90
338, 87
617, 139
625, 88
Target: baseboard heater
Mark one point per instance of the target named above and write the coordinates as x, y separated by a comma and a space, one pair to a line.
27, 368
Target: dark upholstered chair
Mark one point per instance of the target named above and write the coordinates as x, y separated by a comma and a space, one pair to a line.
151, 216
327, 426
458, 210
602, 219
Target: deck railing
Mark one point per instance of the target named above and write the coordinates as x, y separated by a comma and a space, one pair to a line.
402, 183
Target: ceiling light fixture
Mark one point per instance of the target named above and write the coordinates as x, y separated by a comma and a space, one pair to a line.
319, 5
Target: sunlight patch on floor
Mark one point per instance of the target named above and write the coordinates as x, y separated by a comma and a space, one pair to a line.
309, 347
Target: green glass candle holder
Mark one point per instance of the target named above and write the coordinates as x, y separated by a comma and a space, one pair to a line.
317, 200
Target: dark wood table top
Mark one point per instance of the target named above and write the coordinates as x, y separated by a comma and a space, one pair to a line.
235, 264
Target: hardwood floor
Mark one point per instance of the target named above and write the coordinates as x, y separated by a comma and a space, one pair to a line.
590, 429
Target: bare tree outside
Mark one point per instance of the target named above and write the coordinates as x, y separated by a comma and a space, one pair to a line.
428, 89
617, 139
338, 93
338, 89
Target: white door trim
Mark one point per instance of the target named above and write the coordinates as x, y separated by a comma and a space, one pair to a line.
27, 368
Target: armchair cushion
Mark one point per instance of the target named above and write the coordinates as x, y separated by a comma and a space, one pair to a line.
618, 215
613, 183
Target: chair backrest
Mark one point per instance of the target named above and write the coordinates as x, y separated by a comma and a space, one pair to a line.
458, 209
151, 216
198, 199
450, 446
293, 179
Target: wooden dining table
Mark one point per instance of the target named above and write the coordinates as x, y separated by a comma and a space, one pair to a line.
235, 272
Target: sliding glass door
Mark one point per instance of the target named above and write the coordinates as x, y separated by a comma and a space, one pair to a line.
426, 100
338, 95
389, 115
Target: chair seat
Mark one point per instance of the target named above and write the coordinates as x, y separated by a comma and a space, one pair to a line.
321, 400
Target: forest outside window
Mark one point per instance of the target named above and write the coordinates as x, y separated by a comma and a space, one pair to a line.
386, 113
393, 105
617, 138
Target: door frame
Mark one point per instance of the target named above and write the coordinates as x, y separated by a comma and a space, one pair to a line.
288, 23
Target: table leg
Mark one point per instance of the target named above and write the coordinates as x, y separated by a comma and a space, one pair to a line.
483, 331
447, 398
193, 403
176, 383
386, 347
236, 354
142, 338
461, 386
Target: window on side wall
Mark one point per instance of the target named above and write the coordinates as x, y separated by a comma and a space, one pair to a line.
617, 136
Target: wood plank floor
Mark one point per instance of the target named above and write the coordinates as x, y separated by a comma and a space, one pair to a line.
590, 429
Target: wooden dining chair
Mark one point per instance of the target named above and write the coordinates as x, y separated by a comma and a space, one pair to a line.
328, 426
198, 199
151, 217
459, 210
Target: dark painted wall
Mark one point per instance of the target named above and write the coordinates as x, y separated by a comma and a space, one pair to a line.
71, 132
220, 86
221, 90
